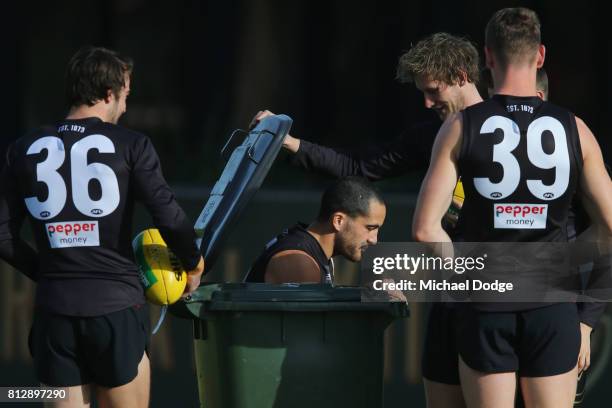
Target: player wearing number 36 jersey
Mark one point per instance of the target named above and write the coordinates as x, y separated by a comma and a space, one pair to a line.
77, 183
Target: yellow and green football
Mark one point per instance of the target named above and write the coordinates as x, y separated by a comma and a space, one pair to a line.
456, 204
161, 273
459, 194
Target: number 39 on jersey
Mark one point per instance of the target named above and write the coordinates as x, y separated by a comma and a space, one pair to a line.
503, 154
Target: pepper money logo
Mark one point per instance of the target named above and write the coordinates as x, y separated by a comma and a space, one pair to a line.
520, 216
73, 234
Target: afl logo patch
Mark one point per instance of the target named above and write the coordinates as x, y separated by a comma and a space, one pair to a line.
548, 195
496, 195
45, 214
96, 211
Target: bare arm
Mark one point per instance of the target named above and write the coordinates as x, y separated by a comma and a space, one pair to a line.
291, 143
437, 188
596, 189
292, 266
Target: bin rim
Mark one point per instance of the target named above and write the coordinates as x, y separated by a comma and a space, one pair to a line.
265, 297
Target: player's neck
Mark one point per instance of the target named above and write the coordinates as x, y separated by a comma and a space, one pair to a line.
472, 96
516, 81
324, 236
85, 111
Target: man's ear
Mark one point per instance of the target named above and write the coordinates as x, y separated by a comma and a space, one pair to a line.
338, 220
463, 79
489, 58
109, 96
541, 56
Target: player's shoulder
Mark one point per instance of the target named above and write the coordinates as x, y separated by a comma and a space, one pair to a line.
486, 105
588, 142
549, 108
454, 122
125, 139
119, 132
296, 259
37, 133
480, 111
572, 123
22, 143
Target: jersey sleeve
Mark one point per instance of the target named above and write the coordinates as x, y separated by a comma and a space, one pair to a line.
153, 191
13, 249
409, 152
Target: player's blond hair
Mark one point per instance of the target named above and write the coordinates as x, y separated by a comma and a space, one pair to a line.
441, 57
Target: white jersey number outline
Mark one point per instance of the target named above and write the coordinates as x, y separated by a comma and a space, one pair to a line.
502, 154
81, 174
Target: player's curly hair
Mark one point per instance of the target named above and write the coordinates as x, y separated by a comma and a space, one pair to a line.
442, 57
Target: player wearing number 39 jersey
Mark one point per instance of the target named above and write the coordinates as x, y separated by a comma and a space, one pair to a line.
521, 161
521, 191
77, 183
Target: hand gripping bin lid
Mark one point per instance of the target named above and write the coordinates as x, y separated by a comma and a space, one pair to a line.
294, 346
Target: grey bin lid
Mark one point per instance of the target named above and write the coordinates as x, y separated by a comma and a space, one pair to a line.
245, 171
219, 297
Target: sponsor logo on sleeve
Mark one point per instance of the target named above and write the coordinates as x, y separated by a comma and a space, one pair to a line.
520, 216
73, 234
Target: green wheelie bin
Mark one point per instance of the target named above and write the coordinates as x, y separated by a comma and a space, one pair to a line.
288, 346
